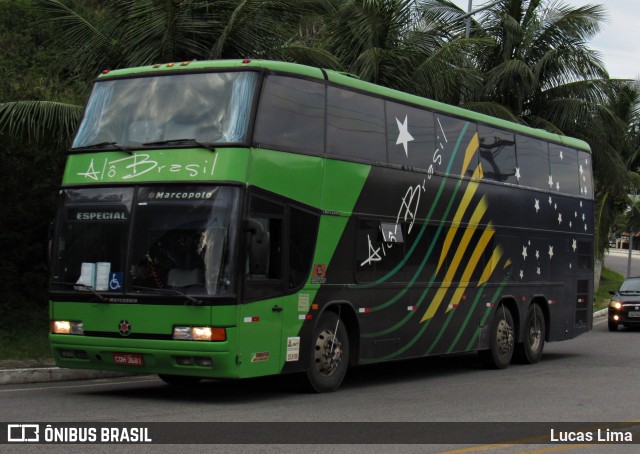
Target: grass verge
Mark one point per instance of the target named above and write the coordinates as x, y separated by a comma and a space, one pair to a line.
610, 280
30, 344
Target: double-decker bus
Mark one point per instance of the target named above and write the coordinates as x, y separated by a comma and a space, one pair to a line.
234, 219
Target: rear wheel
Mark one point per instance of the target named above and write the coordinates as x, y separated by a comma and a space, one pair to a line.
502, 340
329, 354
179, 380
530, 351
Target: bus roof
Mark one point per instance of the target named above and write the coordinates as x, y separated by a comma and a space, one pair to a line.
345, 80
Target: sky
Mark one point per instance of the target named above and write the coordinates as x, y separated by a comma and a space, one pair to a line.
617, 41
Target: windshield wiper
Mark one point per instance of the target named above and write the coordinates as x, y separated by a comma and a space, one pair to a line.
180, 142
171, 291
113, 145
84, 287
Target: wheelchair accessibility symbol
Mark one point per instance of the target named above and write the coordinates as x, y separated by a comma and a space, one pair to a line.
115, 281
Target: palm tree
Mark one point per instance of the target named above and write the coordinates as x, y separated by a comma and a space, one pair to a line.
538, 70
121, 33
613, 196
389, 42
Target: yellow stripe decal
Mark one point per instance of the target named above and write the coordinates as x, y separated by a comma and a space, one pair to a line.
470, 153
478, 213
471, 266
457, 218
491, 266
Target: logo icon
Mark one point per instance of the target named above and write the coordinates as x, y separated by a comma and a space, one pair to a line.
25, 433
124, 328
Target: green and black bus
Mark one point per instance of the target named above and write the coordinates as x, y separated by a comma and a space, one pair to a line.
235, 219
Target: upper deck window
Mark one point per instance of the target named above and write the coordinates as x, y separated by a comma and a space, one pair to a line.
497, 154
355, 126
565, 175
291, 115
533, 162
209, 108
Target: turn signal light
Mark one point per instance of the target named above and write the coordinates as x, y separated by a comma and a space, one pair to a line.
200, 333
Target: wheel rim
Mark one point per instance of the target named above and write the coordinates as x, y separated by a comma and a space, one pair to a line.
505, 337
328, 352
535, 334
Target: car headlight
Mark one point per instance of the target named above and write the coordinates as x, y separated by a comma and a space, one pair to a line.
615, 305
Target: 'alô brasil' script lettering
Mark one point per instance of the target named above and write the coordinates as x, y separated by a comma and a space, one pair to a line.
136, 165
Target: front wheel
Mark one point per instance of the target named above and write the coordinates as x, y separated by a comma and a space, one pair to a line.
530, 351
502, 340
613, 326
329, 354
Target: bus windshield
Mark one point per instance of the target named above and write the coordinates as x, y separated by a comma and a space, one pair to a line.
206, 107
146, 239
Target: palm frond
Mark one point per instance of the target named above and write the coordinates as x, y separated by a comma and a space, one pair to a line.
493, 109
39, 121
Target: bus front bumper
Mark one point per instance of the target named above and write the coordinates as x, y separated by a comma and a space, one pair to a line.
189, 358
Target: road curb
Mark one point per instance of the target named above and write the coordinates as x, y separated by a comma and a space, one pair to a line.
600, 313
51, 374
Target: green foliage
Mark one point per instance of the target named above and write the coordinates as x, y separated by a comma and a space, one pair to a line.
30, 343
30, 170
609, 280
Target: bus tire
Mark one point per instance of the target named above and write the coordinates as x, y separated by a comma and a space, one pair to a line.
329, 357
181, 381
502, 340
530, 351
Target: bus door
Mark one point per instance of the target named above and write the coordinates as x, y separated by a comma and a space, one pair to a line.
262, 308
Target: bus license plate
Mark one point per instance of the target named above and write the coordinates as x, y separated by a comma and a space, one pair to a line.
634, 313
128, 359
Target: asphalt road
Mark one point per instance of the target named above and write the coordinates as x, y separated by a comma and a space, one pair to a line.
618, 261
590, 379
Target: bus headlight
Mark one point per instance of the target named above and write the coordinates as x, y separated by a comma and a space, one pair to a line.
67, 327
199, 333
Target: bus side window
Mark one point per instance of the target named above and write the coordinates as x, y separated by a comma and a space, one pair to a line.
564, 169
497, 154
303, 228
355, 126
291, 115
533, 162
263, 233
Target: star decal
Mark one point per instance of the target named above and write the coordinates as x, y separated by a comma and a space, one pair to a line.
524, 252
551, 180
536, 205
518, 174
559, 218
574, 246
403, 135
550, 252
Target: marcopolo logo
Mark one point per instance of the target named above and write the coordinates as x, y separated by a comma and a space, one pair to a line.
177, 195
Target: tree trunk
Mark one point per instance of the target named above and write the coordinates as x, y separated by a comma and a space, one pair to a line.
597, 272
